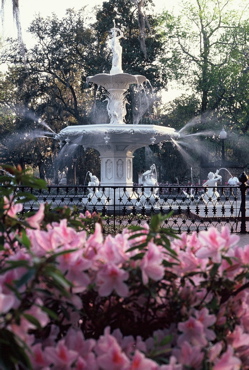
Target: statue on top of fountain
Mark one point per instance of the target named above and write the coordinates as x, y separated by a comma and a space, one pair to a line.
117, 34
211, 194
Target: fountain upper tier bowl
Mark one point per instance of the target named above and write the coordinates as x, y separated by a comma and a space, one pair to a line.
117, 81
128, 137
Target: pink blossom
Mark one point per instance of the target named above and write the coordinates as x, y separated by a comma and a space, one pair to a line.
7, 302
188, 355
207, 320
43, 241
126, 343
36, 311
213, 244
69, 236
94, 243
38, 357
105, 342
193, 242
74, 265
57, 235
151, 264
238, 338
75, 340
193, 332
227, 361
242, 254
60, 356
230, 239
140, 362
11, 209
111, 250
188, 262
110, 278
214, 351
173, 365
35, 220
113, 358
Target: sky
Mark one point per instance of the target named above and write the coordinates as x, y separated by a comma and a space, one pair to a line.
30, 8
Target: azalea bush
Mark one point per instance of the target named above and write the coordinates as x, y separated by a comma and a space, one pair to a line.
72, 298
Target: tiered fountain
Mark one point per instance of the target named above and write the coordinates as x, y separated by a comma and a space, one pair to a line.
116, 141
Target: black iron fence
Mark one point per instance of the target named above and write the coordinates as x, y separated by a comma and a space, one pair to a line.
188, 208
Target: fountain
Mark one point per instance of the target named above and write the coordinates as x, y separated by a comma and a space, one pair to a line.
116, 141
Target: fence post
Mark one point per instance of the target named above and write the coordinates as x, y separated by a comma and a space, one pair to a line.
114, 209
243, 188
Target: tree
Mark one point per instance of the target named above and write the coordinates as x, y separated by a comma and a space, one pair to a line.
48, 85
208, 41
16, 16
50, 82
206, 37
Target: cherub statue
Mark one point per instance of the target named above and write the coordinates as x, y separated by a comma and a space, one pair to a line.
94, 181
211, 183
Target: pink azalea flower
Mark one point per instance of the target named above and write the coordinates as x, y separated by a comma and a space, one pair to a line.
214, 351
140, 362
230, 239
189, 356
43, 241
105, 342
242, 254
94, 242
60, 356
110, 278
188, 262
111, 251
38, 313
207, 320
193, 332
69, 236
193, 242
151, 264
7, 302
35, 220
173, 365
227, 361
238, 338
38, 357
11, 209
75, 340
213, 245
181, 243
73, 264
113, 358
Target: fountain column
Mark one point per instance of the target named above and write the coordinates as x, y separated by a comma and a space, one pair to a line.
116, 169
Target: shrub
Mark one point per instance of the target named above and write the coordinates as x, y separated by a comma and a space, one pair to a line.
143, 299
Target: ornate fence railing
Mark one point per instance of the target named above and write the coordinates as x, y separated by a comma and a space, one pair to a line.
189, 208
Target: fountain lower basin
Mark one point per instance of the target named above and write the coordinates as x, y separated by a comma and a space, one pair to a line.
127, 137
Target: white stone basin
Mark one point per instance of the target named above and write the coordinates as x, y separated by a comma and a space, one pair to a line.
126, 137
117, 81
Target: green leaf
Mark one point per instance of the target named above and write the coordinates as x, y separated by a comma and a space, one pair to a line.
25, 278
24, 240
214, 270
12, 353
50, 313
138, 256
33, 320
